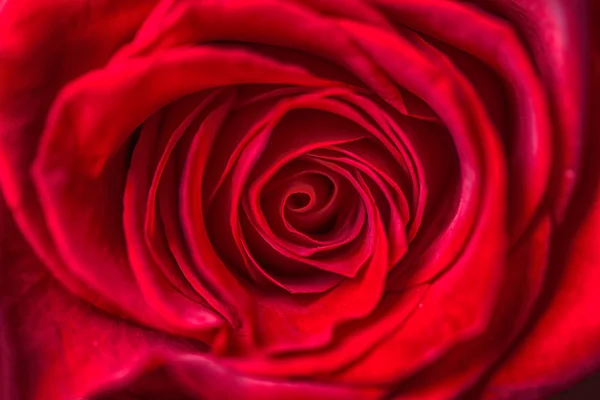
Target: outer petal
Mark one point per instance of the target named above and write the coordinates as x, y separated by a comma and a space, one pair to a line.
7, 361
556, 31
186, 376
88, 123
43, 45
7, 390
63, 348
564, 343
494, 42
450, 374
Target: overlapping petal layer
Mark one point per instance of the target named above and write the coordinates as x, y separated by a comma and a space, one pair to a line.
362, 194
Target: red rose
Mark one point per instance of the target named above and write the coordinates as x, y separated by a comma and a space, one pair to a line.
306, 199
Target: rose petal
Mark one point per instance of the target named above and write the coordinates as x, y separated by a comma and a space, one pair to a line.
562, 343
460, 312
67, 349
35, 65
494, 42
179, 310
520, 287
75, 162
175, 122
276, 23
556, 31
291, 323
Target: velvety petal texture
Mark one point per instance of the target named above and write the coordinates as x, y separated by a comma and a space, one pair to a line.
303, 199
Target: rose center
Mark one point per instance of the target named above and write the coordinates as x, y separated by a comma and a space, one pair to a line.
308, 205
299, 201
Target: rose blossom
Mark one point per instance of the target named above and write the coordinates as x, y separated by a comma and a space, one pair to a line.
307, 199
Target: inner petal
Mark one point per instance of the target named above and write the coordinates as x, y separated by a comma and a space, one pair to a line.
308, 192
300, 199
342, 203
304, 198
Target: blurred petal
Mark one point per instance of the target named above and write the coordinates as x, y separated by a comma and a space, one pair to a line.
62, 348
556, 31
44, 44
